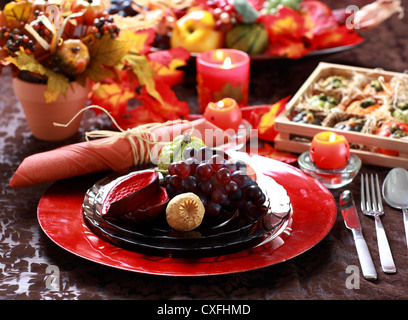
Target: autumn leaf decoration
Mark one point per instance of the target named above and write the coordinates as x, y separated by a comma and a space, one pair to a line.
296, 33
16, 12
57, 83
262, 118
121, 66
146, 81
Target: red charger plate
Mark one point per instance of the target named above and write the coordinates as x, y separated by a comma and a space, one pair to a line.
314, 213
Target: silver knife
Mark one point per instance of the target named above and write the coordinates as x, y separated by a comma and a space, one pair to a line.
352, 222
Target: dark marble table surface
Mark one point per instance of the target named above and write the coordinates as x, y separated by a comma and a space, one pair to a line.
319, 273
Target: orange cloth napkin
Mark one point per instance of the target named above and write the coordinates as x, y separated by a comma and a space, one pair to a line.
89, 157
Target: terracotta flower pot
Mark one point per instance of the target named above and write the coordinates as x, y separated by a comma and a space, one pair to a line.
41, 115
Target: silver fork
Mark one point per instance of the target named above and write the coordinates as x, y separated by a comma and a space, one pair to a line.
371, 205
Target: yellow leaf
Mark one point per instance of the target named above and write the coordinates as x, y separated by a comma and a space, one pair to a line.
163, 70
105, 53
17, 11
176, 63
286, 25
108, 51
138, 40
96, 73
26, 62
56, 84
268, 119
144, 72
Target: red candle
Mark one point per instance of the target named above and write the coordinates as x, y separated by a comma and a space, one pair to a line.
222, 73
329, 150
225, 114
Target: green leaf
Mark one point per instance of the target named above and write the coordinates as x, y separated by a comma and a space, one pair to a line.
246, 10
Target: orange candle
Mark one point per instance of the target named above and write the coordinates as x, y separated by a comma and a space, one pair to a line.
329, 150
225, 114
222, 73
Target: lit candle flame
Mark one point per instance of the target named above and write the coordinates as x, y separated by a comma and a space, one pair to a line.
220, 104
227, 63
332, 137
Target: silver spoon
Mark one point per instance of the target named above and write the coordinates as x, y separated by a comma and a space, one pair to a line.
395, 192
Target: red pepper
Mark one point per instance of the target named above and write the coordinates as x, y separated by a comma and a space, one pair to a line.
393, 129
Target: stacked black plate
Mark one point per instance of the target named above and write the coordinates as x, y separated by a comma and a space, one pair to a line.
232, 232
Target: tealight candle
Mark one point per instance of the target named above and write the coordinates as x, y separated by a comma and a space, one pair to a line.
329, 150
225, 114
222, 73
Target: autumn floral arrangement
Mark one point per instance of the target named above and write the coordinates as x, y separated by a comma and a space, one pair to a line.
281, 28
78, 40
286, 28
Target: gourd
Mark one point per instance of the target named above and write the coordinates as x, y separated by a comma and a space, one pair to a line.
72, 57
250, 38
173, 151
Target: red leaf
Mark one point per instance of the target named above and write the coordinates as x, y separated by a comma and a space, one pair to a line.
142, 41
263, 118
113, 97
286, 30
295, 33
165, 63
324, 28
171, 109
286, 23
269, 151
318, 17
287, 47
340, 36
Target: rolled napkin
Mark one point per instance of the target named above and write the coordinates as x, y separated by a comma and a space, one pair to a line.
119, 151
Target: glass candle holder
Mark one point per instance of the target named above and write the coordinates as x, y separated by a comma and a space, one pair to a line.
222, 73
330, 178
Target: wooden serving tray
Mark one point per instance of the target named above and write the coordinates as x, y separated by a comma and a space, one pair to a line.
291, 133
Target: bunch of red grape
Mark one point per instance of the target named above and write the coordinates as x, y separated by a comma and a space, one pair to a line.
223, 12
222, 185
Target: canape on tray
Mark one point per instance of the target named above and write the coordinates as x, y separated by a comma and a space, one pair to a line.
365, 104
